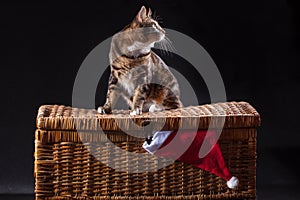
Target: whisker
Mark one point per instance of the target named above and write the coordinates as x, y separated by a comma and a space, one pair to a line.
159, 46
171, 46
162, 47
168, 46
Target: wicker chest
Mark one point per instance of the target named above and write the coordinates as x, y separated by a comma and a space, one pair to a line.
80, 154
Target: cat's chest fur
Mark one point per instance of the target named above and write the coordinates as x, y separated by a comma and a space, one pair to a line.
128, 84
135, 77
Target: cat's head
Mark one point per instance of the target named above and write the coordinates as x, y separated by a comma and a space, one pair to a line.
138, 37
149, 29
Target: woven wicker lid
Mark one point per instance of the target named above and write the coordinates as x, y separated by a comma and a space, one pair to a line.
229, 114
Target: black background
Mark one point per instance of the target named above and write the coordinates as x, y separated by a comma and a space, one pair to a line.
255, 45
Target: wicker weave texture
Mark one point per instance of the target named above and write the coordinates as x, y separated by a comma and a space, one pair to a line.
67, 169
231, 114
68, 142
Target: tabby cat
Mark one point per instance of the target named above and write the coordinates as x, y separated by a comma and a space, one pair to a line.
138, 74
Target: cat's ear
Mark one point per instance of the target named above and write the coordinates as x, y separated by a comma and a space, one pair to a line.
142, 14
149, 13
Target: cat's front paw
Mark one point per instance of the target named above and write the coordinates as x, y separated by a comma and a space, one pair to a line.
155, 108
136, 111
104, 110
101, 110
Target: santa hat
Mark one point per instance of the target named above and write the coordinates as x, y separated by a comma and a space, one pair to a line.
185, 147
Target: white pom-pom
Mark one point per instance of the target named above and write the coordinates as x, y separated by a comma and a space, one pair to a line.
233, 182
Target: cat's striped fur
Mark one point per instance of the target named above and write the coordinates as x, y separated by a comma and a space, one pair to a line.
138, 74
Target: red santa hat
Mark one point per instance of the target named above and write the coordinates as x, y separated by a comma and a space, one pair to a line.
185, 147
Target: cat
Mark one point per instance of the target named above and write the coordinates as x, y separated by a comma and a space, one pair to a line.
138, 74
